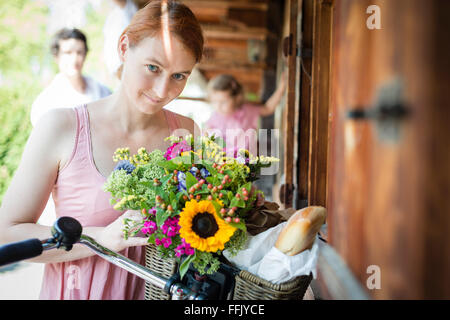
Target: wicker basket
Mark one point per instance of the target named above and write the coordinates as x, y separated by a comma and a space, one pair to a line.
250, 287
163, 267
247, 286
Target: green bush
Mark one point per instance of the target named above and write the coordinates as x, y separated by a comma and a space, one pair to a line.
23, 50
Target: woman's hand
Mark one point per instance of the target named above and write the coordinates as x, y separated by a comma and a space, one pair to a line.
112, 236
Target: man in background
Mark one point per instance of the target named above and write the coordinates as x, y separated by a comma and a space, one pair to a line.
69, 87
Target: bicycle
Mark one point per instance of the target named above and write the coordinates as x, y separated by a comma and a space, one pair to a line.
67, 231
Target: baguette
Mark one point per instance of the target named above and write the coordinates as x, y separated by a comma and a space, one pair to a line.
300, 230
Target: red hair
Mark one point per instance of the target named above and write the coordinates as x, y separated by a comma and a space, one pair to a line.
182, 23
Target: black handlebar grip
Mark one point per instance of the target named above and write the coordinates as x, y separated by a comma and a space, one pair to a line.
21, 250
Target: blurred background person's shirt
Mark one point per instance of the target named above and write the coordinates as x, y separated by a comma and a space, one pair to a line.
61, 94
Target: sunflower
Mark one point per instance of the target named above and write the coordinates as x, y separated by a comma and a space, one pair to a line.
202, 228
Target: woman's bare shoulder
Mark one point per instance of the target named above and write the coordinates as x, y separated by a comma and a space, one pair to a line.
57, 118
58, 128
188, 123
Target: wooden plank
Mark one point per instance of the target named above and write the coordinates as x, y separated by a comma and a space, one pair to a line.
226, 43
220, 4
320, 97
250, 78
289, 119
226, 32
305, 62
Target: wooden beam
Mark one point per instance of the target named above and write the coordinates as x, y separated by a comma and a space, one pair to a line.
241, 4
320, 100
289, 119
225, 32
305, 103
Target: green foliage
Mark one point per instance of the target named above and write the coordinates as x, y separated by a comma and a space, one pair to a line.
135, 191
21, 54
24, 59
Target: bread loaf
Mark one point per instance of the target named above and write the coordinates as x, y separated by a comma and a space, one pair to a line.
300, 230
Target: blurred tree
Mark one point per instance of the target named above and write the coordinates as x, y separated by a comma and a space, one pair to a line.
23, 53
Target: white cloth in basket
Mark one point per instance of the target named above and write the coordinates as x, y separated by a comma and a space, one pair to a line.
261, 258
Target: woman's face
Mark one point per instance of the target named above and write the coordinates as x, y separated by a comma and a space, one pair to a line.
222, 101
155, 72
71, 56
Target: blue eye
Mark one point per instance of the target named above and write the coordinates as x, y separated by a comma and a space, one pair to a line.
178, 76
152, 68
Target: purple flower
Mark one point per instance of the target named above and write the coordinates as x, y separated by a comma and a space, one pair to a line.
194, 171
204, 172
181, 181
125, 165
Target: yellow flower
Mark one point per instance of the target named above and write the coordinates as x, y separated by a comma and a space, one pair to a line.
202, 228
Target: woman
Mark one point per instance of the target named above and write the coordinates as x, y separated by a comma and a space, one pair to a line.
158, 50
233, 119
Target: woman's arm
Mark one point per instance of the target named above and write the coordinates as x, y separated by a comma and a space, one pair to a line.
274, 100
49, 143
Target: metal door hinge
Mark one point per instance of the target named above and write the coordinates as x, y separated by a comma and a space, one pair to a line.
388, 111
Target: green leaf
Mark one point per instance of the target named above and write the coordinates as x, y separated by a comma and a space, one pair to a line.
187, 160
190, 180
235, 202
185, 265
152, 238
147, 184
177, 161
247, 186
163, 194
166, 178
170, 165
202, 192
179, 195
210, 168
161, 216
240, 225
174, 204
217, 206
172, 196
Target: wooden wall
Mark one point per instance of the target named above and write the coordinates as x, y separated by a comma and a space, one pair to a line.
389, 181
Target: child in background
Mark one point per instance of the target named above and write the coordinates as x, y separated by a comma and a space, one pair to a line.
233, 117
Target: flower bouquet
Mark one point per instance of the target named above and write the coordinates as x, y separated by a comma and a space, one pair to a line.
193, 198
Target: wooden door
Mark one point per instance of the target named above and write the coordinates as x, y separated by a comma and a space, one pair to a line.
388, 183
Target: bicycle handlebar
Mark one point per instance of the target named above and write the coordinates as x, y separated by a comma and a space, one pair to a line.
66, 232
21, 250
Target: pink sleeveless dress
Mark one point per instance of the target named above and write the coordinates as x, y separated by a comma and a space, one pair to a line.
78, 193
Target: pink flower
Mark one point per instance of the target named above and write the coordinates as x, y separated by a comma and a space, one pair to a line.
149, 227
171, 227
166, 242
184, 248
176, 149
